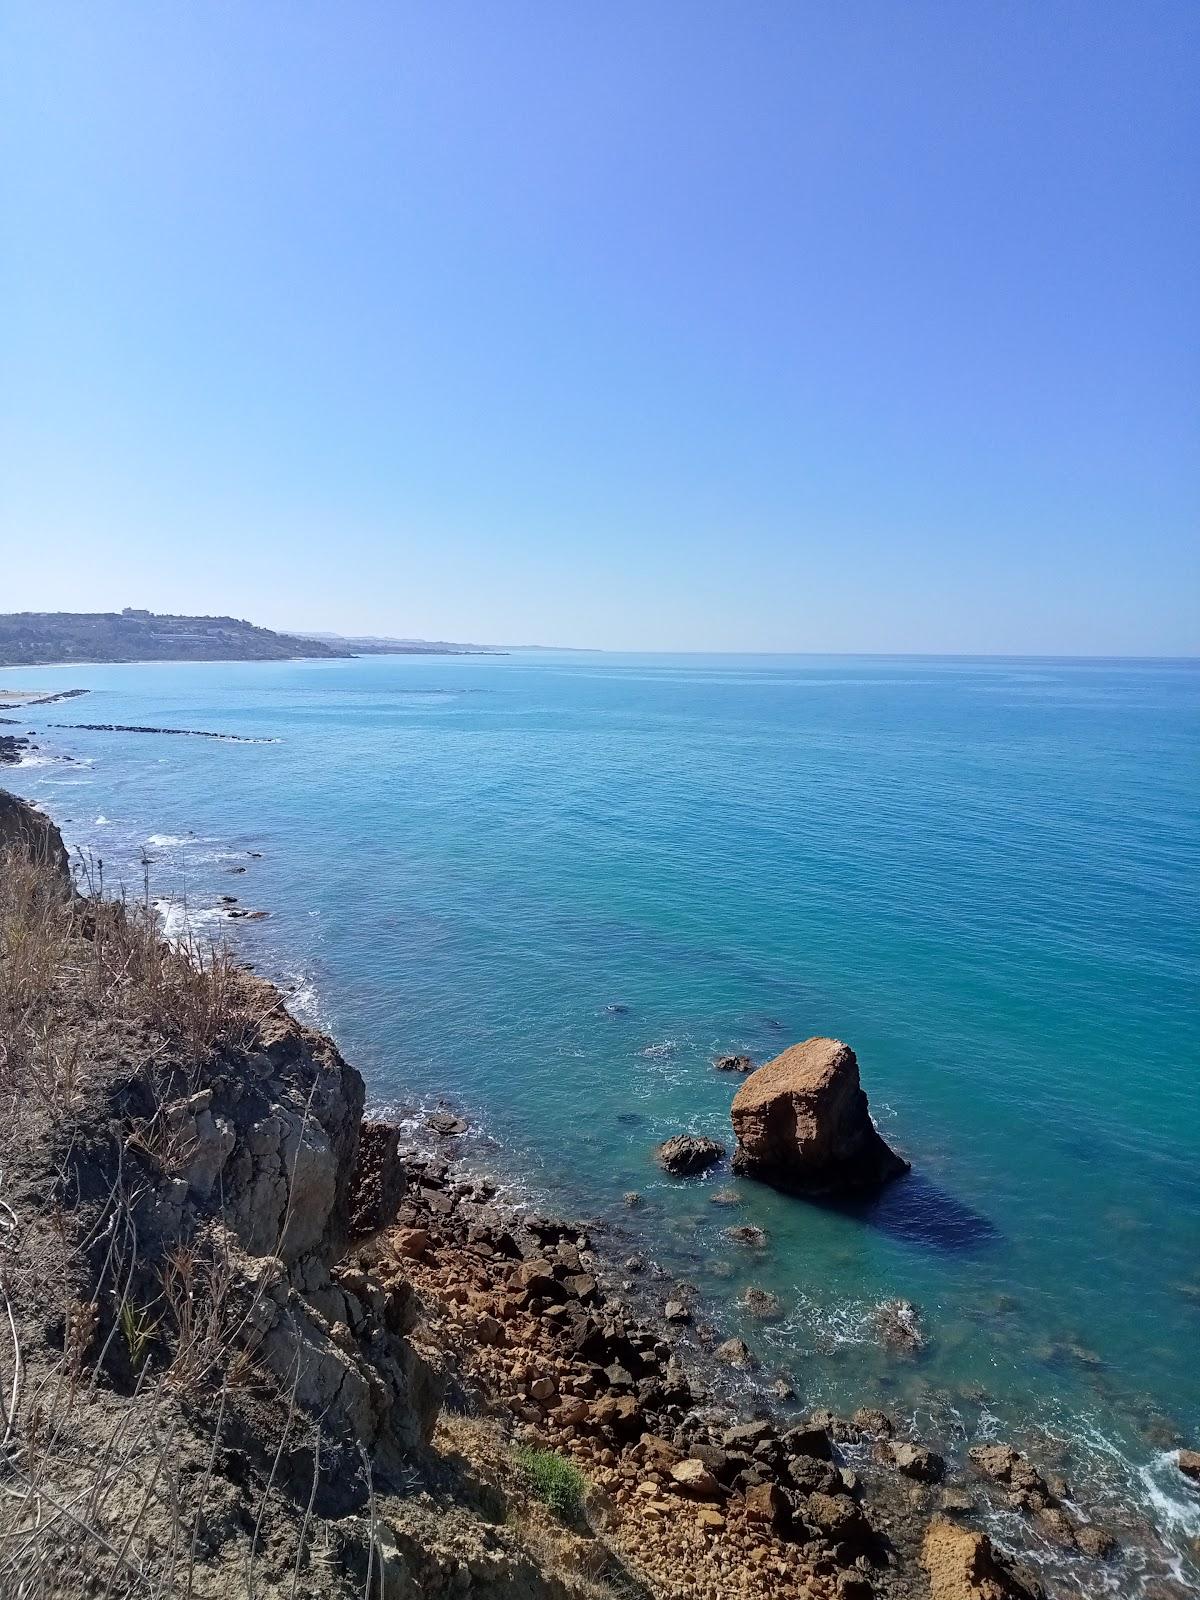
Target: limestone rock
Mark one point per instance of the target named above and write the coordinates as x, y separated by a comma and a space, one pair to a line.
802, 1124
913, 1460
695, 1478
962, 1565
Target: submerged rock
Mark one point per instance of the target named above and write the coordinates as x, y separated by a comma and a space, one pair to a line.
898, 1326
688, 1153
753, 1238
802, 1124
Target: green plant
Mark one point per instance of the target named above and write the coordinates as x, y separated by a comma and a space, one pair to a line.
554, 1480
138, 1329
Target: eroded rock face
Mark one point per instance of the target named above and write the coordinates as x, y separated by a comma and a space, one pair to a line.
802, 1124
272, 1151
26, 829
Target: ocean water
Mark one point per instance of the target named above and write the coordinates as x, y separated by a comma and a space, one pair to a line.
551, 887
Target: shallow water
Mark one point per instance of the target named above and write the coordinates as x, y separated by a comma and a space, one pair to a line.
552, 886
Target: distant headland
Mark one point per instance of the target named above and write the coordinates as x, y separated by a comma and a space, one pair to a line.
47, 638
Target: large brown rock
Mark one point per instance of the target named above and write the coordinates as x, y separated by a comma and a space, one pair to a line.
964, 1566
802, 1124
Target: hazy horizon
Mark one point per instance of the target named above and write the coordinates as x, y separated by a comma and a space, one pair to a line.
852, 329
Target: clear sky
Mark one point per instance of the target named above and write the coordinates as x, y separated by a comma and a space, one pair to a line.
810, 324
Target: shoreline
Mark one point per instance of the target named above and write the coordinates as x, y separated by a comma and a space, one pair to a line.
1165, 1591
904, 1476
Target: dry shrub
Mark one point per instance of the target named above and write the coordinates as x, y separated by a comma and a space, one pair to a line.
70, 963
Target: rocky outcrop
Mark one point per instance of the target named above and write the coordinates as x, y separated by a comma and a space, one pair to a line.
688, 1153
802, 1124
267, 1151
1042, 1499
1188, 1462
963, 1565
30, 832
734, 1064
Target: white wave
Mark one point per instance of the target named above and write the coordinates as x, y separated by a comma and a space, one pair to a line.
181, 921
102, 822
1176, 1508
168, 841
663, 1051
304, 1001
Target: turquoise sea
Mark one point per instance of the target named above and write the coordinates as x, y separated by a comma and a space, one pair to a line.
550, 887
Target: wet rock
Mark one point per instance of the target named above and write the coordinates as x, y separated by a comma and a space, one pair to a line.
632, 1198
446, 1124
734, 1064
802, 1124
677, 1311
688, 1153
898, 1326
747, 1436
870, 1421
735, 1353
956, 1502
810, 1476
725, 1197
1188, 1462
1094, 1541
747, 1234
761, 1303
1004, 1465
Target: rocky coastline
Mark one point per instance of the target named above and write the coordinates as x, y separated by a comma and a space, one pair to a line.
432, 1327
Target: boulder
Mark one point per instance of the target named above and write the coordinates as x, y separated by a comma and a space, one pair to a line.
734, 1064
735, 1353
913, 1460
1188, 1462
962, 1565
693, 1477
687, 1153
802, 1124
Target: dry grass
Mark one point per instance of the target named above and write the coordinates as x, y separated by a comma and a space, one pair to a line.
70, 963
105, 1492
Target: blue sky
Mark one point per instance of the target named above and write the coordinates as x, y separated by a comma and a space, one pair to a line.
850, 325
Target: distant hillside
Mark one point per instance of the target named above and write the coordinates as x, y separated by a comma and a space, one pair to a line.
377, 645
28, 638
